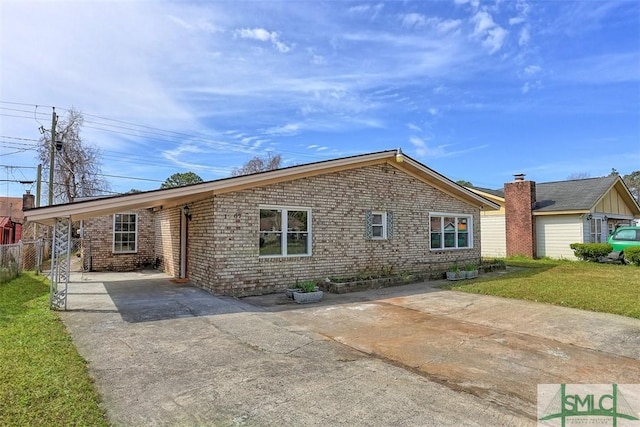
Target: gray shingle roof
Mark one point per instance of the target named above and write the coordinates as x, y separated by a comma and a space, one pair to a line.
578, 194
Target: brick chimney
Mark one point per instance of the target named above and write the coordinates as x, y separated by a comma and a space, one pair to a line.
520, 197
28, 201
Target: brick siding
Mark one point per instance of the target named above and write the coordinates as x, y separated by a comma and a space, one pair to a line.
224, 233
167, 240
98, 235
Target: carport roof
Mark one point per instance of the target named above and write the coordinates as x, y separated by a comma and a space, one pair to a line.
178, 196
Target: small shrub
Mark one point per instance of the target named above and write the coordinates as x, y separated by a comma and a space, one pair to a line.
454, 268
590, 251
307, 286
632, 255
470, 267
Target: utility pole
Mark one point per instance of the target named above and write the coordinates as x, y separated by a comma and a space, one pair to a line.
52, 155
38, 185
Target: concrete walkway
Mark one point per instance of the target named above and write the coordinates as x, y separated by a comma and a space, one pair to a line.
165, 353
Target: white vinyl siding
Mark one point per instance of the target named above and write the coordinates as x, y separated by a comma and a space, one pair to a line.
494, 236
555, 233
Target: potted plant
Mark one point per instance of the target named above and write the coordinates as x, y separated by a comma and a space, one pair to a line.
454, 272
471, 271
307, 292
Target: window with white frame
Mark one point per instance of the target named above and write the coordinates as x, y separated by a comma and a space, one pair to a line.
378, 225
595, 226
450, 231
285, 231
125, 233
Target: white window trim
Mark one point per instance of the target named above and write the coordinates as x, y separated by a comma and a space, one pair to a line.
383, 225
456, 215
283, 235
113, 240
597, 237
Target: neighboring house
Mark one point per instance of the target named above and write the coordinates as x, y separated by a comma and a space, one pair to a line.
260, 233
542, 220
11, 219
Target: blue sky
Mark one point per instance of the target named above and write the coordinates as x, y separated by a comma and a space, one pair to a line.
476, 90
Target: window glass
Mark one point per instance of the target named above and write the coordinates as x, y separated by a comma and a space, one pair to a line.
449, 231
378, 226
284, 232
625, 235
297, 235
270, 232
463, 233
124, 233
436, 231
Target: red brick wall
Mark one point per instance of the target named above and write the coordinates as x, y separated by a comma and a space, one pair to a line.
520, 197
224, 232
98, 236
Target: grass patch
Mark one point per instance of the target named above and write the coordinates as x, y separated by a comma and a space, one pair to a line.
608, 288
44, 379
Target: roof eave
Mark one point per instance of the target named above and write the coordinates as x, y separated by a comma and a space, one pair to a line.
173, 197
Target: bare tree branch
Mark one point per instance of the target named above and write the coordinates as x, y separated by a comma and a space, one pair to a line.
77, 165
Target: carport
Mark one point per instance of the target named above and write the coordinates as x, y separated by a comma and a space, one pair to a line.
61, 218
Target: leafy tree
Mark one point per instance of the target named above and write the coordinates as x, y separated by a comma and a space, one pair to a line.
77, 166
633, 182
579, 175
259, 164
464, 183
181, 179
614, 172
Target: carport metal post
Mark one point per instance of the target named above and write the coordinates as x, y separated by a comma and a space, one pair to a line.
60, 263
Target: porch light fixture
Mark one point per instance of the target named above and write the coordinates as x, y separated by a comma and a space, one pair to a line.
399, 156
186, 211
606, 218
589, 217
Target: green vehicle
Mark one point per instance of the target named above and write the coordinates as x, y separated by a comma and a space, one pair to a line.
622, 238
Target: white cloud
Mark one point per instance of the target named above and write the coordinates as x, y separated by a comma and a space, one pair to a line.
529, 86
414, 127
263, 35
474, 3
531, 70
433, 111
447, 25
366, 9
517, 20
525, 36
412, 20
288, 129
491, 34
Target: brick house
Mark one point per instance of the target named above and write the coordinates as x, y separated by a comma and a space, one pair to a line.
259, 233
542, 220
11, 220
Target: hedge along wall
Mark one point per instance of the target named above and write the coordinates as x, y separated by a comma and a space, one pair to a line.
224, 233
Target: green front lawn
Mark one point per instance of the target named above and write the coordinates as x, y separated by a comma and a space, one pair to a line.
609, 288
43, 380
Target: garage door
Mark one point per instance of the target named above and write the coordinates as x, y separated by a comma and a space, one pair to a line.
554, 234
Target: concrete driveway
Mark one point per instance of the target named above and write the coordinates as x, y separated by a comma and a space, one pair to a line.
165, 353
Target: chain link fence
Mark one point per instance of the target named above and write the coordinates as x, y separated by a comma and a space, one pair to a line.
35, 255
10, 261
